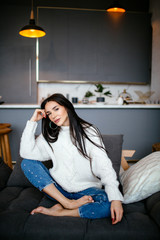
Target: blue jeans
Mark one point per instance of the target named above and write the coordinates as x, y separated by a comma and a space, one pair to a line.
40, 177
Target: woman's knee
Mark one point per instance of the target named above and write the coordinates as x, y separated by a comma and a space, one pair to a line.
26, 163
100, 197
95, 210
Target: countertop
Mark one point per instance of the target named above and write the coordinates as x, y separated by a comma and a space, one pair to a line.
86, 106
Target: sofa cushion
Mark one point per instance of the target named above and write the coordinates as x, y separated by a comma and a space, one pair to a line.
16, 204
5, 172
113, 144
153, 206
17, 178
142, 179
20, 199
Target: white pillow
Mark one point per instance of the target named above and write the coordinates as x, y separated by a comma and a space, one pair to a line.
142, 179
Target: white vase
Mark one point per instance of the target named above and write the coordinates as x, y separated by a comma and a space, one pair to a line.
120, 101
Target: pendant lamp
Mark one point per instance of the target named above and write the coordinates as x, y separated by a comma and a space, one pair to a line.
116, 7
32, 30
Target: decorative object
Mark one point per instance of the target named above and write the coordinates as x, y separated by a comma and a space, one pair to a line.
32, 30
142, 179
120, 101
125, 96
87, 95
85, 100
116, 7
74, 100
143, 96
100, 90
1, 102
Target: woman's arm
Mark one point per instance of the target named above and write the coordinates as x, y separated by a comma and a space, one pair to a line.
102, 168
116, 211
30, 147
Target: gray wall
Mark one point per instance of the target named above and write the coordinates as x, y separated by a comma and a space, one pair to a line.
155, 76
140, 127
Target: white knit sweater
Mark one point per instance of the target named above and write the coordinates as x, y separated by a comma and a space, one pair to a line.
70, 169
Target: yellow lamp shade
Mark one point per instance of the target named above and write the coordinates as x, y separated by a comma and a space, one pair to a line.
32, 31
116, 7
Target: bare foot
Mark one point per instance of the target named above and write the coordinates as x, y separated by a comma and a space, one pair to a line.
48, 211
56, 210
74, 204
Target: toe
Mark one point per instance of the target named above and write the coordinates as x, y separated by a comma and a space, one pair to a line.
37, 210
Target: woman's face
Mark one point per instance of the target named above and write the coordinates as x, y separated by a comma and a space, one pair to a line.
57, 113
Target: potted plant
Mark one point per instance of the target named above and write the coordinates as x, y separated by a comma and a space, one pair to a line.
100, 89
87, 95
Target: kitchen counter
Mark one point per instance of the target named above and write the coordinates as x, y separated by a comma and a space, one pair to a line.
86, 106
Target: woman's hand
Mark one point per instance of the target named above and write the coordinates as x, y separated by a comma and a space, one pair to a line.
38, 115
116, 211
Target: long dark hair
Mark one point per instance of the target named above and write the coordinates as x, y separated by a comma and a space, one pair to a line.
77, 125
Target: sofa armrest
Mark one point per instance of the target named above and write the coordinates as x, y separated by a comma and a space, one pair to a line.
5, 172
153, 207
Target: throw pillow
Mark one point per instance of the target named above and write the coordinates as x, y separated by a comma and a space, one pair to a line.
142, 179
5, 172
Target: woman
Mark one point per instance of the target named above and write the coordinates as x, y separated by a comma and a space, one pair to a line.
80, 163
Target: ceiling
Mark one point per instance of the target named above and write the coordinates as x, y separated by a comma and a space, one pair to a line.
130, 5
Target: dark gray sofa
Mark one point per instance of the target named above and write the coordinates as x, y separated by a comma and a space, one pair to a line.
141, 220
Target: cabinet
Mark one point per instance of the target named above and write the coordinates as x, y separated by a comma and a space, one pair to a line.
17, 57
90, 46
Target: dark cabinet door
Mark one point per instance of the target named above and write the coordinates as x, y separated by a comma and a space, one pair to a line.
17, 57
91, 46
